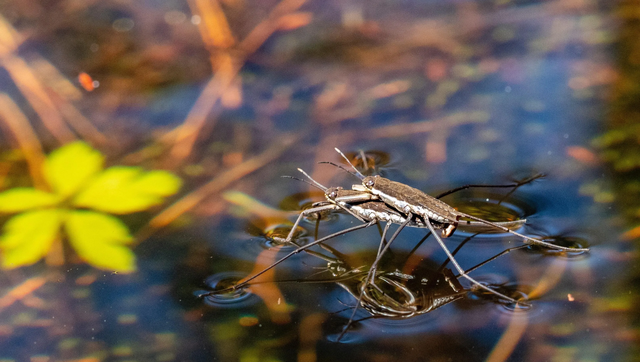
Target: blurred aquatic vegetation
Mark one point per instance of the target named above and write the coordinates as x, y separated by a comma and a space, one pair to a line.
80, 198
49, 67
413, 79
53, 97
620, 145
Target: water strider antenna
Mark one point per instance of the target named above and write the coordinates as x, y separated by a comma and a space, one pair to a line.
359, 175
342, 168
315, 183
305, 181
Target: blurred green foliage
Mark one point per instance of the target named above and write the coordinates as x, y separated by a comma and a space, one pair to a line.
82, 194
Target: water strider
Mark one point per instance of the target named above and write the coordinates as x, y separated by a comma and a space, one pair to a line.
362, 205
412, 201
379, 200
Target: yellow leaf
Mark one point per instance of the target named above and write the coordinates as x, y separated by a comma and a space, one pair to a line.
158, 182
28, 237
122, 190
25, 198
99, 239
69, 167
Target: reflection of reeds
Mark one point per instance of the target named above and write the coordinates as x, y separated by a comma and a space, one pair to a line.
51, 103
519, 319
510, 337
216, 185
228, 57
50, 94
21, 291
28, 83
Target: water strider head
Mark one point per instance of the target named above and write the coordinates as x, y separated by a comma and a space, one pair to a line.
407, 199
370, 182
337, 195
332, 193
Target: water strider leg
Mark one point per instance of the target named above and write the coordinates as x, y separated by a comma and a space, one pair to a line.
382, 243
514, 185
304, 213
374, 266
294, 252
459, 268
506, 251
527, 240
372, 271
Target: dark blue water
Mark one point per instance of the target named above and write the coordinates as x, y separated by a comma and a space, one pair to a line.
497, 91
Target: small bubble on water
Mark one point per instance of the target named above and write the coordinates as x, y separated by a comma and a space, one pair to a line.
123, 24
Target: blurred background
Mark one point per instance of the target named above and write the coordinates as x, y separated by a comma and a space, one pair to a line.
230, 95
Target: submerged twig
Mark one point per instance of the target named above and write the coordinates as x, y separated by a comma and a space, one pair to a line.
216, 33
34, 92
511, 336
21, 291
551, 277
57, 114
218, 184
268, 290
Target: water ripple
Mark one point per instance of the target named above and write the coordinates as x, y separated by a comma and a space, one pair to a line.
232, 299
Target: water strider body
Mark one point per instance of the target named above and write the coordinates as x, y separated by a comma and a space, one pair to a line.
412, 201
377, 210
368, 207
